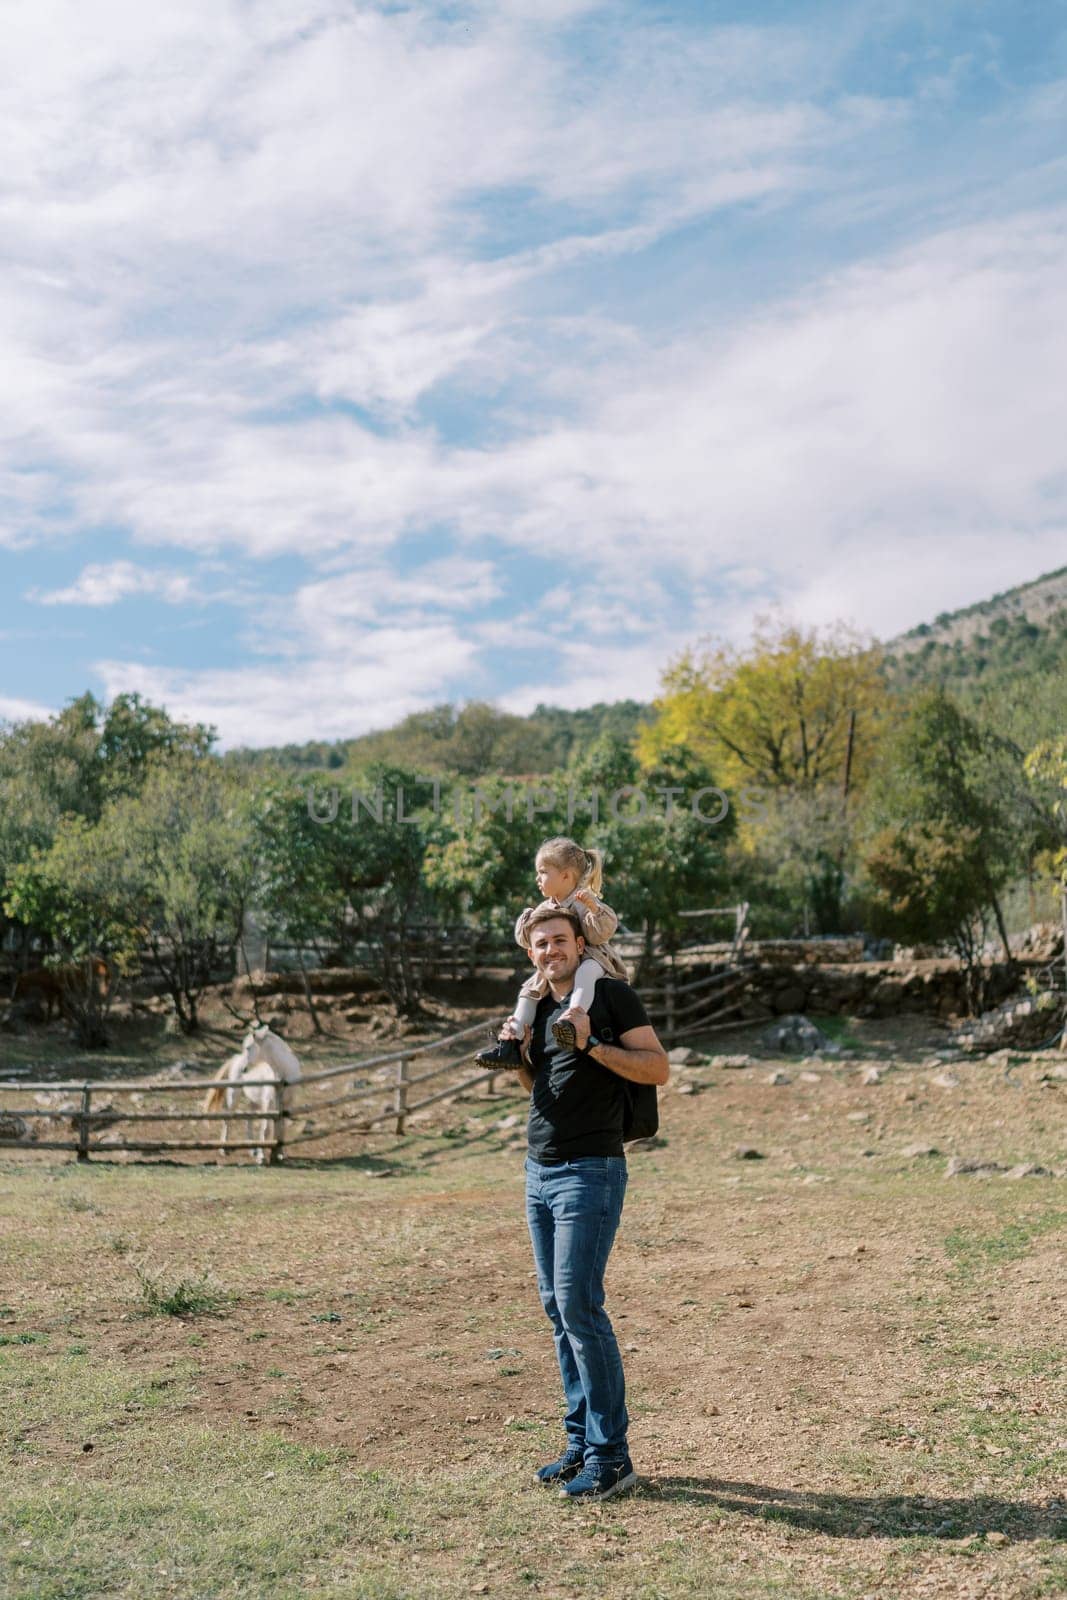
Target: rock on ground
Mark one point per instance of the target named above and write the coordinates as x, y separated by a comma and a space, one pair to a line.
796, 1035
963, 1166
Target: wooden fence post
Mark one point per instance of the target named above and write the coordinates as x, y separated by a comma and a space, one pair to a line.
277, 1149
401, 1093
83, 1122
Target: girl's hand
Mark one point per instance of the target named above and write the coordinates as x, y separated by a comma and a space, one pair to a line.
587, 897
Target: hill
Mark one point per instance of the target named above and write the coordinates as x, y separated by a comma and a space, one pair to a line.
1016, 634
1007, 640
467, 741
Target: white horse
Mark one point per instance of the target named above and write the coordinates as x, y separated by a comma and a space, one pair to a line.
268, 1061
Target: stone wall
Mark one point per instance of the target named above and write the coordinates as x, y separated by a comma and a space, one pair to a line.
807, 952
1026, 1022
867, 988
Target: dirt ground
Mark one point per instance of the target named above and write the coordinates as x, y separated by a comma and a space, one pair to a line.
353, 1025
844, 1366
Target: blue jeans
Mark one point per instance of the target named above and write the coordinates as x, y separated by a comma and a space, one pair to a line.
573, 1210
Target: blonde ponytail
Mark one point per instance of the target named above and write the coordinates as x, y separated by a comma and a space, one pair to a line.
594, 873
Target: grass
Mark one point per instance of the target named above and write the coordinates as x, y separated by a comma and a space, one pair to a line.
973, 1253
200, 1512
192, 1296
838, 1029
358, 1412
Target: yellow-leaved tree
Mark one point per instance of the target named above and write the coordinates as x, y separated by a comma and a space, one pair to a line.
789, 725
1046, 768
777, 714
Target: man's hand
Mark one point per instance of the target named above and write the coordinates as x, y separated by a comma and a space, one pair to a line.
638, 1056
511, 1030
579, 1019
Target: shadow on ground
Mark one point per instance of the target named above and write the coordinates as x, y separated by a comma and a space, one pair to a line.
872, 1516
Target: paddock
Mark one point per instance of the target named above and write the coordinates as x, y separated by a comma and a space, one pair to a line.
845, 1367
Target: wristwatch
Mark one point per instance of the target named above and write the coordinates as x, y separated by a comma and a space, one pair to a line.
592, 1042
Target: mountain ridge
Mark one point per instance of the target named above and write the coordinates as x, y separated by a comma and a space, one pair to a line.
1011, 638
1039, 601
1018, 634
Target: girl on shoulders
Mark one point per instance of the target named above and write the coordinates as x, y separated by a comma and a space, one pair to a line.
570, 879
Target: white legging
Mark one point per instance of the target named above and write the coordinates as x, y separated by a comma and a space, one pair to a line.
585, 981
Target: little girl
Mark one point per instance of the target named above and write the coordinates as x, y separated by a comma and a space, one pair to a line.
569, 878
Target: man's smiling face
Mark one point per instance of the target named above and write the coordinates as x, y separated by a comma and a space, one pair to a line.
556, 953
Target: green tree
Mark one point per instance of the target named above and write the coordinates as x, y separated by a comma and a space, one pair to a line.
48, 770
930, 882
940, 844
1046, 769
1022, 722
796, 865
133, 733
78, 893
72, 764
301, 893
187, 839
352, 872
483, 864
661, 857
789, 725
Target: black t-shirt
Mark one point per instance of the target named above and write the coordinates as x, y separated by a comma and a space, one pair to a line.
576, 1105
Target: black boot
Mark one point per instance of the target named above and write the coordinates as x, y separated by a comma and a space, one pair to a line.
502, 1055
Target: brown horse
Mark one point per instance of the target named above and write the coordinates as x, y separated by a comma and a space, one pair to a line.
54, 986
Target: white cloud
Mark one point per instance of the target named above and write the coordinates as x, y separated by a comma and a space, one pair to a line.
585, 675
322, 135
381, 676
103, 583
356, 650
908, 407
12, 710
912, 396
853, 455
299, 279
326, 612
890, 586
225, 214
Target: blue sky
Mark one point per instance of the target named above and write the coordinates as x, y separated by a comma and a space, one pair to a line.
361, 357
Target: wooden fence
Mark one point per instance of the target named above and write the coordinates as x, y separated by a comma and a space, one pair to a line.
698, 987
692, 990
435, 950
303, 1101
459, 951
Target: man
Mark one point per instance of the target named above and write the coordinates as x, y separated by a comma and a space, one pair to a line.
575, 1182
